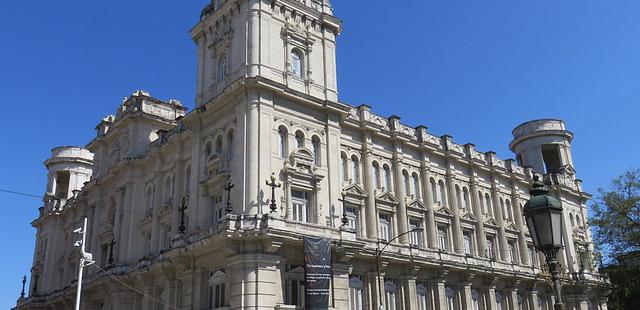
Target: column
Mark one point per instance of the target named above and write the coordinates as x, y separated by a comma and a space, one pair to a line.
533, 300
481, 238
491, 300
188, 278
254, 280
431, 229
251, 128
411, 296
401, 215
466, 293
513, 298
341, 286
502, 253
522, 239
253, 48
370, 211
128, 221
117, 229
441, 298
453, 206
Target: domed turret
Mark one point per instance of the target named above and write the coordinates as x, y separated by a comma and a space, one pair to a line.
544, 145
68, 169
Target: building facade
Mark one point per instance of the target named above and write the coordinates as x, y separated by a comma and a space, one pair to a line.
180, 215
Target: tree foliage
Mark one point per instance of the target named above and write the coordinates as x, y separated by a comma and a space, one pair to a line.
616, 215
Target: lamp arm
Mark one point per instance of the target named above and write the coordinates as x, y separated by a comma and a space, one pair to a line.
394, 238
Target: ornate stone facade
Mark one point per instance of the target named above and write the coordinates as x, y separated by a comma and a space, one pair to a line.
163, 220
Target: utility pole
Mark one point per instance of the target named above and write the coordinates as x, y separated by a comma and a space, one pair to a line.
86, 259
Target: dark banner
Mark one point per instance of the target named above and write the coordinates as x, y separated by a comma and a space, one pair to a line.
317, 273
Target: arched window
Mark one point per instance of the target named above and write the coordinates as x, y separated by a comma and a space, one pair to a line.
296, 63
222, 68
282, 142
219, 145
483, 205
509, 209
207, 151
299, 139
434, 190
465, 199
149, 198
355, 293
315, 142
376, 175
422, 292
407, 183
387, 178
390, 289
355, 169
187, 180
488, 205
344, 167
448, 292
415, 180
459, 197
505, 213
499, 301
443, 193
571, 219
168, 190
230, 148
475, 300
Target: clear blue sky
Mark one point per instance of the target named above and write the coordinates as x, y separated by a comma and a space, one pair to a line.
472, 69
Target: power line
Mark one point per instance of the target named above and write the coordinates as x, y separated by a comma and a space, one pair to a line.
20, 193
135, 289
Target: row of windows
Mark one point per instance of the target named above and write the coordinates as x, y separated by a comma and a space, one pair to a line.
382, 179
300, 142
416, 237
424, 301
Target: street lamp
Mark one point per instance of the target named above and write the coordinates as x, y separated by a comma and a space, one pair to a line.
543, 214
379, 254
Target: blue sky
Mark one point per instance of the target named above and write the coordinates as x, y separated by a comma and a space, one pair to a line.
472, 69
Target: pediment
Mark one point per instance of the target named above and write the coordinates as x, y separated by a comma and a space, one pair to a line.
512, 227
468, 216
388, 198
444, 211
355, 190
491, 222
217, 278
416, 204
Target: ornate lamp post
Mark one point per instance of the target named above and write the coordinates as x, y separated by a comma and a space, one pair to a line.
543, 214
345, 219
228, 189
379, 254
273, 186
183, 207
24, 281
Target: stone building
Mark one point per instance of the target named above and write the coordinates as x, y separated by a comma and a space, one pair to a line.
154, 185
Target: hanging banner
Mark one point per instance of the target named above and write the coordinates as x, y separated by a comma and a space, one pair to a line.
317, 273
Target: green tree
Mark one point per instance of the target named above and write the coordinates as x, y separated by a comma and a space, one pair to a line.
616, 216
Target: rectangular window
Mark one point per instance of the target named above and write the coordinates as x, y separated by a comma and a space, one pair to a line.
296, 293
466, 239
442, 238
300, 201
490, 247
416, 235
352, 217
384, 228
513, 251
532, 256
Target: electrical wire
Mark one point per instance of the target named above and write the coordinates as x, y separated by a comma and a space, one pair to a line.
135, 289
19, 193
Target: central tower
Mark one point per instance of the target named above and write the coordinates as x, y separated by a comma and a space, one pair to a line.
290, 43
